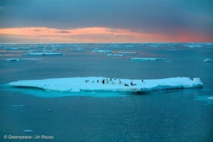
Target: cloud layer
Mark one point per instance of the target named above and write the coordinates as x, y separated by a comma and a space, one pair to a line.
169, 18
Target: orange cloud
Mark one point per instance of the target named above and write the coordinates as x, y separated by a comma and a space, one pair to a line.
90, 34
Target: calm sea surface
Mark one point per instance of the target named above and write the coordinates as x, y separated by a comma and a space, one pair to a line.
171, 116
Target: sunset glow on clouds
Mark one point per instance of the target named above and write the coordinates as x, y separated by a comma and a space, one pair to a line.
25, 21
91, 34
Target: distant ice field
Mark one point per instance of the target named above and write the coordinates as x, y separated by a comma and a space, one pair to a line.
101, 115
82, 60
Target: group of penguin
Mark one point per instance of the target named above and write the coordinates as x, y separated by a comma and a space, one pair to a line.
106, 81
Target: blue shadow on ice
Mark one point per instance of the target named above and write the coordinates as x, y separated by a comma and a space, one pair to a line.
53, 94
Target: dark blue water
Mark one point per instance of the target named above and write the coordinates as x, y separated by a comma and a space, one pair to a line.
173, 115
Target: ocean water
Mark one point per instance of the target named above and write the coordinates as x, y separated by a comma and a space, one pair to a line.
171, 115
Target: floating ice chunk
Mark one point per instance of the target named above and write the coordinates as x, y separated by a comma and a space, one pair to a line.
128, 52
20, 105
193, 45
147, 59
28, 131
43, 53
13, 59
31, 59
102, 51
79, 49
24, 59
92, 84
16, 48
207, 60
116, 55
210, 98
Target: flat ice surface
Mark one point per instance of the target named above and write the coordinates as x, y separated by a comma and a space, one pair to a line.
148, 59
77, 84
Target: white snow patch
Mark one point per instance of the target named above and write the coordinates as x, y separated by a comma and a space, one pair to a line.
94, 84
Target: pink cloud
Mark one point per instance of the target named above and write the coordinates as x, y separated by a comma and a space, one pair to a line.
94, 34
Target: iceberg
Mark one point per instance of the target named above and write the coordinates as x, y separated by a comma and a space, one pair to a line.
207, 60
95, 84
147, 59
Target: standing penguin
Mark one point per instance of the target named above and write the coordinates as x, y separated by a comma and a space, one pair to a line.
103, 81
120, 82
131, 83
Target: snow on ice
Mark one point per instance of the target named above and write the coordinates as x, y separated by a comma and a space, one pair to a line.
77, 84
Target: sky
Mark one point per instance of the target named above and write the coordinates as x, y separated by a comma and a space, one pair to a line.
68, 21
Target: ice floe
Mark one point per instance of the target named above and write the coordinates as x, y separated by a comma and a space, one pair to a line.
20, 105
31, 59
27, 131
128, 52
193, 45
102, 51
24, 59
43, 53
16, 48
207, 60
91, 84
210, 98
148, 59
12, 59
116, 55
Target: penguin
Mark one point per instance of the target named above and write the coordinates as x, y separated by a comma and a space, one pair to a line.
126, 84
103, 81
132, 83
120, 82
